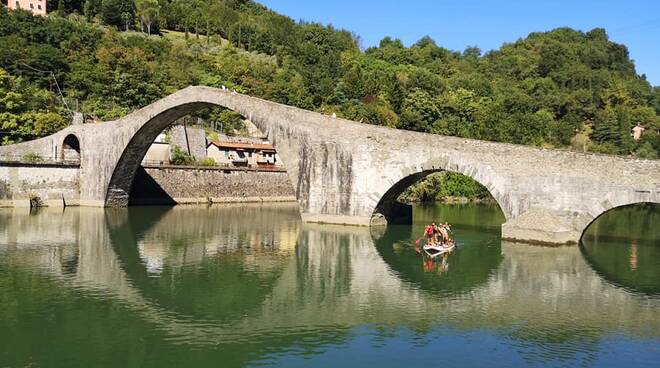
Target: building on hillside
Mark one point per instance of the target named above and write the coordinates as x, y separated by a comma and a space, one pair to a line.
243, 154
37, 7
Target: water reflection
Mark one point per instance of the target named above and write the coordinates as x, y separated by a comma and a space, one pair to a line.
631, 260
213, 263
476, 231
251, 284
475, 259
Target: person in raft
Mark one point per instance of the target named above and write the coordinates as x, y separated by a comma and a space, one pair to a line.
429, 233
447, 231
441, 234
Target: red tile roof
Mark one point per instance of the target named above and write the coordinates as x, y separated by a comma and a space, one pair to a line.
244, 146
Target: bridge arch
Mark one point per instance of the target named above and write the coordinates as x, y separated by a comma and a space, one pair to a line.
611, 207
621, 246
121, 181
389, 210
617, 201
70, 148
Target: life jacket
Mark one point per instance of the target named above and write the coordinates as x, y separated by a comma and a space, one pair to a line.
429, 230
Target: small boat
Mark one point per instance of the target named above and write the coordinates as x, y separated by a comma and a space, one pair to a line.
438, 250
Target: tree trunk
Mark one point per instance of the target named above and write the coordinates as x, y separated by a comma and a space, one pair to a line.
208, 40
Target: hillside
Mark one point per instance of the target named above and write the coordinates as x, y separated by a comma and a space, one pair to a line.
562, 88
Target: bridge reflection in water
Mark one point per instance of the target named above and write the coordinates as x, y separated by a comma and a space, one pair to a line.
632, 261
247, 283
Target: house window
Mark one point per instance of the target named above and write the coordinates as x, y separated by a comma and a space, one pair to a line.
18, 5
39, 7
31, 6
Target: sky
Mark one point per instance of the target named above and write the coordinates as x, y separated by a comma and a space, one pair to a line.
488, 24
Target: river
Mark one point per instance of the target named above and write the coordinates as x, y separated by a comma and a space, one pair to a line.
251, 285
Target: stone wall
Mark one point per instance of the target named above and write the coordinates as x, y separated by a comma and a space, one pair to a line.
168, 185
52, 185
190, 140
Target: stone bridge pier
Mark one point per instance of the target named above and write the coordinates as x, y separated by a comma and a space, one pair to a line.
345, 172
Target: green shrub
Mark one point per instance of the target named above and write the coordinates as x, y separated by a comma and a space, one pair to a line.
32, 157
444, 185
209, 161
180, 157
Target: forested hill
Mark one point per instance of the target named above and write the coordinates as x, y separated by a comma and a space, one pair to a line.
562, 88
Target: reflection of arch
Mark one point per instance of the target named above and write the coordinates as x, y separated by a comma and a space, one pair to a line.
463, 275
70, 148
622, 245
394, 212
235, 291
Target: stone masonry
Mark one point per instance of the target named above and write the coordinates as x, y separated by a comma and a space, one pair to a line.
47, 184
190, 140
348, 173
199, 185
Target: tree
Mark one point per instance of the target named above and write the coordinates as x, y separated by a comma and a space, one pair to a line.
148, 11
127, 18
24, 110
91, 8
61, 7
112, 11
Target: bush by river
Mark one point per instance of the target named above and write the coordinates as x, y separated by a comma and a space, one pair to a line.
447, 187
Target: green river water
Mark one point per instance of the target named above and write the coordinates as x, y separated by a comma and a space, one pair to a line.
251, 285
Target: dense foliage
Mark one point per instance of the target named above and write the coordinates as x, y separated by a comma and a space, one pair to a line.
446, 186
562, 88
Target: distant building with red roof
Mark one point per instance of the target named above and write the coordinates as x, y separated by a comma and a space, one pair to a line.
242, 153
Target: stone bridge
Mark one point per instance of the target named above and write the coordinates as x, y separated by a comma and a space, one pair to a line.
350, 173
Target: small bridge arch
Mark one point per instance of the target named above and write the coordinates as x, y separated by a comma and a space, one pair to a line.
70, 148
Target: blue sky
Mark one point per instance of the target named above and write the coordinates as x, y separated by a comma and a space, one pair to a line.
487, 24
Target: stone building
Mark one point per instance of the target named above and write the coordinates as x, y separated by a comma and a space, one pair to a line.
37, 7
158, 153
